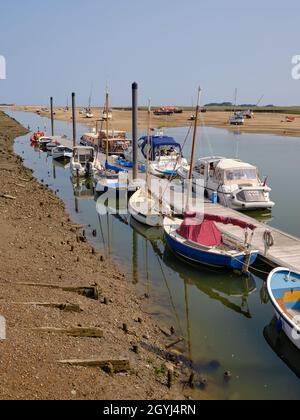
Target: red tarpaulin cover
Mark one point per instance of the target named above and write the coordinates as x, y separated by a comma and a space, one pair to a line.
201, 228
206, 233
199, 217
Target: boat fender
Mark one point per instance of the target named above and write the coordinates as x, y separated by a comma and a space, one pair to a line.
279, 325
268, 239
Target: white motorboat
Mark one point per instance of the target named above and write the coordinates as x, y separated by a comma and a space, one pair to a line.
237, 119
44, 140
83, 161
50, 142
107, 115
236, 183
62, 152
165, 155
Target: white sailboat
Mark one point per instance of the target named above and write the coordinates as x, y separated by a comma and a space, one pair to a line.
237, 118
142, 206
111, 177
88, 110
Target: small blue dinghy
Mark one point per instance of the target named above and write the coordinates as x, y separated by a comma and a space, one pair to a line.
284, 291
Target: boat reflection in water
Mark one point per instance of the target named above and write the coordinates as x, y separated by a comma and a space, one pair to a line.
215, 284
83, 190
283, 347
211, 282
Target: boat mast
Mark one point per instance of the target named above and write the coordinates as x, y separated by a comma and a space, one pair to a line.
189, 192
107, 124
195, 134
148, 143
90, 99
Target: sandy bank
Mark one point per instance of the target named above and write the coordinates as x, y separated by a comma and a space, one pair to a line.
263, 123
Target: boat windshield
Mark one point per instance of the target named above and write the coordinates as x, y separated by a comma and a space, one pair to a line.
84, 155
242, 174
168, 151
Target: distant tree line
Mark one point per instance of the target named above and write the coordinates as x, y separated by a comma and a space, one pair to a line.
230, 104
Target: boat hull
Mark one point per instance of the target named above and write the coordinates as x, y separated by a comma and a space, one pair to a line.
153, 220
290, 325
208, 257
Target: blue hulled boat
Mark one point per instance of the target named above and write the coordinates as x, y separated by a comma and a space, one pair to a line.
198, 239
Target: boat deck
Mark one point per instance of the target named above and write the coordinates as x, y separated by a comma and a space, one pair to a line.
285, 251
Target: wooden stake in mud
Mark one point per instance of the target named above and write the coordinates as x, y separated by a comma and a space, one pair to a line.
118, 365
73, 331
52, 116
135, 129
74, 118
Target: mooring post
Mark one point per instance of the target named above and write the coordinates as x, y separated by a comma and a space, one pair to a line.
52, 116
135, 129
74, 118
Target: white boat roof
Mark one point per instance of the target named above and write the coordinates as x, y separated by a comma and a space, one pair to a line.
93, 135
234, 164
83, 147
113, 132
211, 159
62, 146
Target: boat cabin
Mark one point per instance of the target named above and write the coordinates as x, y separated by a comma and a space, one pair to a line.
83, 154
160, 147
221, 171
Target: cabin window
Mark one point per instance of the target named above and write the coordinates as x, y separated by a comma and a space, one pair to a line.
240, 174
200, 169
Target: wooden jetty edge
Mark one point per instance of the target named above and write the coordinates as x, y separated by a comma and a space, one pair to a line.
285, 250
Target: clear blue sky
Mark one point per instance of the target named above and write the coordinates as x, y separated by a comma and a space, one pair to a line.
168, 46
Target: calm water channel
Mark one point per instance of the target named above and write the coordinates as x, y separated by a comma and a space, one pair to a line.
224, 318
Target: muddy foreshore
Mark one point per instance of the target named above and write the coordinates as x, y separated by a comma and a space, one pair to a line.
39, 245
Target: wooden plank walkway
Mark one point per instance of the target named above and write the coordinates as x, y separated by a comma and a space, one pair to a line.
286, 249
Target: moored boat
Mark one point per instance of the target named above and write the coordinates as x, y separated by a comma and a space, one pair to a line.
36, 136
117, 141
62, 152
236, 183
237, 119
284, 291
199, 239
145, 209
83, 161
165, 155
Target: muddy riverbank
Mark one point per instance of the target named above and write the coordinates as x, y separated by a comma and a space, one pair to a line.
41, 246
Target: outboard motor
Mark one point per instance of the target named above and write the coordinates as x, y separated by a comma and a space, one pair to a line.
89, 169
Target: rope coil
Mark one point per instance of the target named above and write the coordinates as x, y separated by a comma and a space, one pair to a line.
268, 240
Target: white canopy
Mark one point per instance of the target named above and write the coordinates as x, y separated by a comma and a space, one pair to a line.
226, 164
